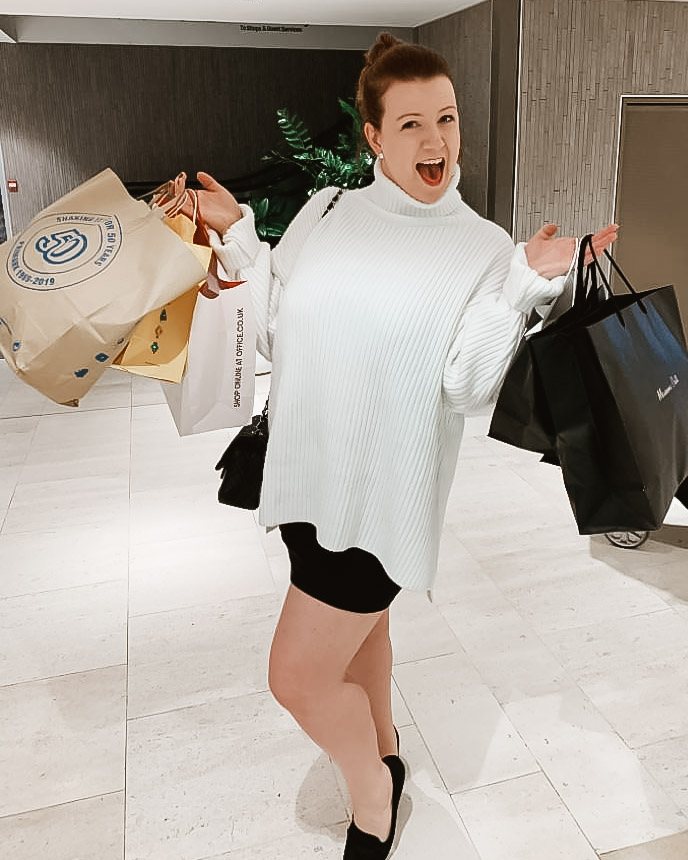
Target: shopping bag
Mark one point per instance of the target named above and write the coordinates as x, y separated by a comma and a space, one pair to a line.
75, 283
218, 387
158, 345
521, 416
614, 374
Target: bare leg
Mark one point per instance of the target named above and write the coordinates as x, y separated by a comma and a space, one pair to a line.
371, 668
312, 646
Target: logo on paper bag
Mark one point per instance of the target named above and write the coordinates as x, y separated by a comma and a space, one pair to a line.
62, 247
61, 250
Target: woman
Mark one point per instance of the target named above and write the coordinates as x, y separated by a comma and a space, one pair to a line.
386, 321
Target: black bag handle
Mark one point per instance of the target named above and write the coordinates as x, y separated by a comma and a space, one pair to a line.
594, 268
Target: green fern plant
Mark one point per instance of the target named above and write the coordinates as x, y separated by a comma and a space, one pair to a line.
347, 166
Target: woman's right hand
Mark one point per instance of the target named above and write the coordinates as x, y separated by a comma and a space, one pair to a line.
217, 207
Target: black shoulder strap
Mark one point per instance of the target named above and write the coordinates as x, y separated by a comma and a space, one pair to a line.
333, 202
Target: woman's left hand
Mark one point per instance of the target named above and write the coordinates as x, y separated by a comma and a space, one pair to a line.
551, 257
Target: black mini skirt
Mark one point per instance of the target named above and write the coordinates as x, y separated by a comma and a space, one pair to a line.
352, 579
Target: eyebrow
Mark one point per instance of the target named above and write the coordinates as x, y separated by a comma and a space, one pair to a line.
449, 107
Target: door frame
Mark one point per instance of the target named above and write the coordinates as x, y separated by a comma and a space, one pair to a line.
4, 195
637, 98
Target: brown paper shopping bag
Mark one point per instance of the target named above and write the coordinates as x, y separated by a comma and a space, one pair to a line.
76, 282
158, 346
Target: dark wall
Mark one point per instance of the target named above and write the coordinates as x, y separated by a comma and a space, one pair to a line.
465, 40
68, 111
481, 45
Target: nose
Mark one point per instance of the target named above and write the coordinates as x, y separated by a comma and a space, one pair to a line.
434, 140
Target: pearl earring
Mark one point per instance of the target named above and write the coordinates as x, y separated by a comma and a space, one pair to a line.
380, 155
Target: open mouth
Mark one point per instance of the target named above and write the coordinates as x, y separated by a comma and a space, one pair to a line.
431, 171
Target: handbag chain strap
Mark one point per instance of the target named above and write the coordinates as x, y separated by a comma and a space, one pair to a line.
329, 208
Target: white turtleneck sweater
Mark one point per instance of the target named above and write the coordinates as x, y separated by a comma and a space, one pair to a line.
385, 322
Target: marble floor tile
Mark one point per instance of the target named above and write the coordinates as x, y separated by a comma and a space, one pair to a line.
190, 656
72, 435
230, 774
522, 819
667, 579
469, 736
17, 435
65, 557
417, 629
488, 537
429, 825
206, 569
612, 797
183, 511
667, 761
75, 446
61, 739
183, 463
81, 628
669, 848
634, 670
303, 845
473, 498
458, 572
280, 568
636, 562
92, 466
553, 592
400, 712
146, 391
9, 475
510, 657
81, 830
48, 505
20, 400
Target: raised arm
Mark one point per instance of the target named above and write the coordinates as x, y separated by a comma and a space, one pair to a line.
516, 281
244, 257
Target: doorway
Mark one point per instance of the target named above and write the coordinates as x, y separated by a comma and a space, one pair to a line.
652, 195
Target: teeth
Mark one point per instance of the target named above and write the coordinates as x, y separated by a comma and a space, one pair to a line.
432, 161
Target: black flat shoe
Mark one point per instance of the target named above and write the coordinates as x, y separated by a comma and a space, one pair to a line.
364, 846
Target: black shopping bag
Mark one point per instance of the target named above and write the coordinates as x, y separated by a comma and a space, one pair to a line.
522, 415
614, 375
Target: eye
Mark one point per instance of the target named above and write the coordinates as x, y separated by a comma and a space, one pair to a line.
448, 117
409, 123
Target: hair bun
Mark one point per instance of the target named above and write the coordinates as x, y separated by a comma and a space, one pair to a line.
385, 41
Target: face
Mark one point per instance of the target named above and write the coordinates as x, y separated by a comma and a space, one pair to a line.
420, 124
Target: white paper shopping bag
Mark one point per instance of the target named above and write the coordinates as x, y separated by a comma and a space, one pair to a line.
218, 386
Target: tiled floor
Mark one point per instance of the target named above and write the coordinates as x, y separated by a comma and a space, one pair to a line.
541, 700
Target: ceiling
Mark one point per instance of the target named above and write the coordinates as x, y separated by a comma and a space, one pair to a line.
397, 13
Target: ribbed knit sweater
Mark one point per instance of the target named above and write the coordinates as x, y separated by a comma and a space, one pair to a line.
386, 322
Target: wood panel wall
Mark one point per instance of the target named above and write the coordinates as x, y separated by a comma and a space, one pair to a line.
465, 40
578, 57
68, 111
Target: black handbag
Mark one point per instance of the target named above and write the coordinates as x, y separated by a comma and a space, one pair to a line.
242, 464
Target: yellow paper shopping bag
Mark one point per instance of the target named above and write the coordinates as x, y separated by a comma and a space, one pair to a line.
159, 344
